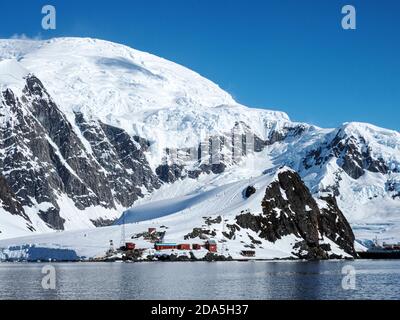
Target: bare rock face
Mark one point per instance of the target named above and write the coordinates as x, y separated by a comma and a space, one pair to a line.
170, 173
86, 182
29, 163
9, 201
334, 225
353, 155
298, 210
122, 158
213, 155
45, 157
290, 209
250, 190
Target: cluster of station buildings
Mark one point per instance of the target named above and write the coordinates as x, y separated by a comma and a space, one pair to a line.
210, 245
159, 245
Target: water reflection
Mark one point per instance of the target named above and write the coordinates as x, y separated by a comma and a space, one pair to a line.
207, 281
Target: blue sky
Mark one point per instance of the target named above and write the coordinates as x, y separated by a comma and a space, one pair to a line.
289, 55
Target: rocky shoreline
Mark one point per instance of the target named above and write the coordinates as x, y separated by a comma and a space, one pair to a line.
174, 258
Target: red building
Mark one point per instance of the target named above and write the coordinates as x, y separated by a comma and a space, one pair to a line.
184, 246
165, 246
130, 246
211, 245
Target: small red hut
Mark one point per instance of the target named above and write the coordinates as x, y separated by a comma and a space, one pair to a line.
211, 245
130, 246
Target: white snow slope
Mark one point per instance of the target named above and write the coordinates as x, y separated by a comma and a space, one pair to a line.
12, 75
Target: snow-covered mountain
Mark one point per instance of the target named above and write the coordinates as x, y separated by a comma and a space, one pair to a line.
90, 128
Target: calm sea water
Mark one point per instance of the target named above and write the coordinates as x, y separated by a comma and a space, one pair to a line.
219, 280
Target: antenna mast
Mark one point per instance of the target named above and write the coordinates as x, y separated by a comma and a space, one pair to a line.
223, 237
123, 235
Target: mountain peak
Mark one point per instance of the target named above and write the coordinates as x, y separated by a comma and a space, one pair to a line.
125, 79
166, 103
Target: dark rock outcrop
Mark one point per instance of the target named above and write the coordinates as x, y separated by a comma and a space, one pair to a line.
210, 221
170, 173
210, 257
211, 156
200, 233
353, 155
334, 225
249, 191
290, 209
286, 132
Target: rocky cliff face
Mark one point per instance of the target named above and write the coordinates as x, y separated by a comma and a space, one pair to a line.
122, 157
8, 200
44, 158
353, 155
213, 155
217, 152
290, 209
334, 225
